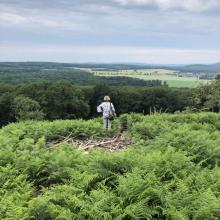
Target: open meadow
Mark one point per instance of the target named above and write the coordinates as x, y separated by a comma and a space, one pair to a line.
172, 78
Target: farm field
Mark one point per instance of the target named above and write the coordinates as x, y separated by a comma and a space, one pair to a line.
152, 74
170, 169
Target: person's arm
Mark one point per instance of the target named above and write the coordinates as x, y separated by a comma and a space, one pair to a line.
100, 108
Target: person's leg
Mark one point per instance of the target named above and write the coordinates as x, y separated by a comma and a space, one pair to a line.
109, 124
105, 123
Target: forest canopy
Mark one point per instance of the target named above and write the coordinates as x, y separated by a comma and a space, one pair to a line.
63, 100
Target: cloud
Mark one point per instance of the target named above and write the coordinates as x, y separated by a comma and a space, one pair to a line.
166, 5
10, 18
33, 16
103, 6
110, 16
192, 24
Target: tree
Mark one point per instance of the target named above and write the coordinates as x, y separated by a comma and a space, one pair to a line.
6, 114
25, 108
127, 100
207, 97
165, 99
62, 101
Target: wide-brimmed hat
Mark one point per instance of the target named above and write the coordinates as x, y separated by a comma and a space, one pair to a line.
106, 98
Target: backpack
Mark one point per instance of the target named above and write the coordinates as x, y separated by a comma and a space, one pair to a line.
112, 114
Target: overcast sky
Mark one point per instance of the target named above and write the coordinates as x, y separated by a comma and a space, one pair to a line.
131, 31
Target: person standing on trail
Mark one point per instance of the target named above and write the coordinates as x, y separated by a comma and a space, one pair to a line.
108, 111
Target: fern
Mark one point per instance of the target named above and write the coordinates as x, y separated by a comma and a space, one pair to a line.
171, 170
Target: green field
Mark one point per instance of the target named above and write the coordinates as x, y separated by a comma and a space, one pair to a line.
170, 76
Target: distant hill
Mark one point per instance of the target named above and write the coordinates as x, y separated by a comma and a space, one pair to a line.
52, 65
34, 65
212, 68
194, 68
38, 72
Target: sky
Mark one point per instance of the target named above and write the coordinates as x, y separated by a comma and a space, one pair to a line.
110, 31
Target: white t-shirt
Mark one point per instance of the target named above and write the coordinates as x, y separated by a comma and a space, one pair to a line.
105, 108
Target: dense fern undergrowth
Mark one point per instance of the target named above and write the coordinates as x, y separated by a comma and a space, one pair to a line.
170, 171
